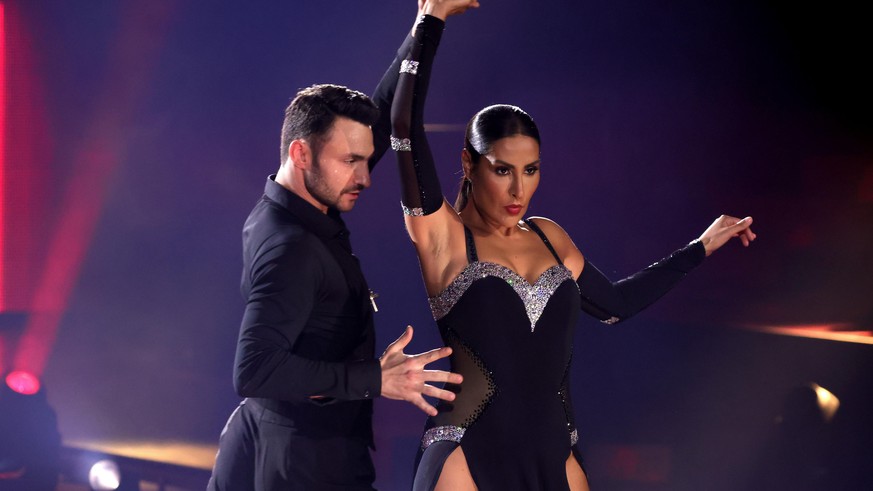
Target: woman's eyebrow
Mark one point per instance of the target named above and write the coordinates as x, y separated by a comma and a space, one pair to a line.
498, 161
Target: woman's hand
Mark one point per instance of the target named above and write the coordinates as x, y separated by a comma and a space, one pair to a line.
441, 9
723, 229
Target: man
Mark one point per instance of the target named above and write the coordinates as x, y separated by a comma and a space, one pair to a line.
305, 356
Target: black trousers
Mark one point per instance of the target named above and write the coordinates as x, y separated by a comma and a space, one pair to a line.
261, 450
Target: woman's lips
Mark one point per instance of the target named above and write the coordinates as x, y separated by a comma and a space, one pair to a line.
513, 209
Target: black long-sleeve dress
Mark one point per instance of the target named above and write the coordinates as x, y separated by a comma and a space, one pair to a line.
511, 340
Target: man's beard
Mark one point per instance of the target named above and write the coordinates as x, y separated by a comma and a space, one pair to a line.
319, 189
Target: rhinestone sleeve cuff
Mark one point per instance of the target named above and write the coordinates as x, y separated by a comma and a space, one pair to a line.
413, 212
409, 66
401, 144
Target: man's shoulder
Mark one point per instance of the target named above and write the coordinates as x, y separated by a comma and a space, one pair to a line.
269, 226
268, 218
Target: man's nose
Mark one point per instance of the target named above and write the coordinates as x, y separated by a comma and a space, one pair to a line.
362, 175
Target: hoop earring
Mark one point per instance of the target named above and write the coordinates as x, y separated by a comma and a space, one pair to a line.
466, 187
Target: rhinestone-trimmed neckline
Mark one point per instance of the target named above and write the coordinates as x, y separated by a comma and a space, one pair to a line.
534, 295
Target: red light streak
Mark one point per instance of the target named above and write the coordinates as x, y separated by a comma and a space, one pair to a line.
106, 133
2, 156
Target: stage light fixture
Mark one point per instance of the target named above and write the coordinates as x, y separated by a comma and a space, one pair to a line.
107, 474
828, 403
29, 439
104, 476
24, 383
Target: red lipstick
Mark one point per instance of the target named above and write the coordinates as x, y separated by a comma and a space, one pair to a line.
513, 209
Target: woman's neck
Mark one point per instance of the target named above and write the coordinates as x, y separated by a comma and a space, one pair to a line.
474, 219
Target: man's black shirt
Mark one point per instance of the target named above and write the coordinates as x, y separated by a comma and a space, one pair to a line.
306, 345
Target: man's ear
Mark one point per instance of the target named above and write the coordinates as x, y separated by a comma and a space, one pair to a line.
299, 154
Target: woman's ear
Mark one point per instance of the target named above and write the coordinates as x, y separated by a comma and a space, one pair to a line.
466, 163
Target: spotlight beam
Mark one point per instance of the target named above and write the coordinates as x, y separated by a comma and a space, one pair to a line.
131, 61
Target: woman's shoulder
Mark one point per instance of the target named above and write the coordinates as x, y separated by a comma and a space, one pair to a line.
561, 241
551, 228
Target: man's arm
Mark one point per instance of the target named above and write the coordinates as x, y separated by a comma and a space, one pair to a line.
285, 279
382, 96
384, 93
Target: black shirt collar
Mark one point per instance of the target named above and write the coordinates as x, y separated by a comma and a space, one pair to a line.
323, 225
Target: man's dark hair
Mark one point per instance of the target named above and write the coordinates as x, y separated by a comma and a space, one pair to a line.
311, 114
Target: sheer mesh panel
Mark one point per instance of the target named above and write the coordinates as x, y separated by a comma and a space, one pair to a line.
474, 395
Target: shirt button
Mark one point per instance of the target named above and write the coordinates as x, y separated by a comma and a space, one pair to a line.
366, 394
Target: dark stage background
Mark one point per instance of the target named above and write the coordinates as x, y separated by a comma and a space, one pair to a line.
138, 135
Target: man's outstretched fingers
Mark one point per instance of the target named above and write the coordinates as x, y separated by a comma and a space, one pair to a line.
431, 391
404, 376
442, 376
400, 343
433, 355
424, 406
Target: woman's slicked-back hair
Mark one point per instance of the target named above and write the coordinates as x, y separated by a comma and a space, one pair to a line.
485, 128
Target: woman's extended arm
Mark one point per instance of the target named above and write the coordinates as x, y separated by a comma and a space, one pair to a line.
612, 302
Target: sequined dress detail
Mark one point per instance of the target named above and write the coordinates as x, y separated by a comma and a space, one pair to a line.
512, 343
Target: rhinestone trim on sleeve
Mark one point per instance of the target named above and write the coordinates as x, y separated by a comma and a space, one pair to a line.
413, 212
401, 144
409, 66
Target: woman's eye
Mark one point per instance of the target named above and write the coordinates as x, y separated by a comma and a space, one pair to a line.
501, 171
531, 170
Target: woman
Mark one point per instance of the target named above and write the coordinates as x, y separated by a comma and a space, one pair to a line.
506, 293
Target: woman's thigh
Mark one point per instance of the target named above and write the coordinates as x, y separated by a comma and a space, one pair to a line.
456, 474
576, 477
443, 466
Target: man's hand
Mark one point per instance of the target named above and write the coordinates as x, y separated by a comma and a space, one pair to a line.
723, 229
404, 377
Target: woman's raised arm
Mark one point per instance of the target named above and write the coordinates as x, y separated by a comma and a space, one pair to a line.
432, 224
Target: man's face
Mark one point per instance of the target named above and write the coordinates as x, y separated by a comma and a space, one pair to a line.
339, 168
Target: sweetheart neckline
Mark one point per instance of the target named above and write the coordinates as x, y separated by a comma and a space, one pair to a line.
508, 269
534, 296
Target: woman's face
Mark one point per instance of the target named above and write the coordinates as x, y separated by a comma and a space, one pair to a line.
505, 179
